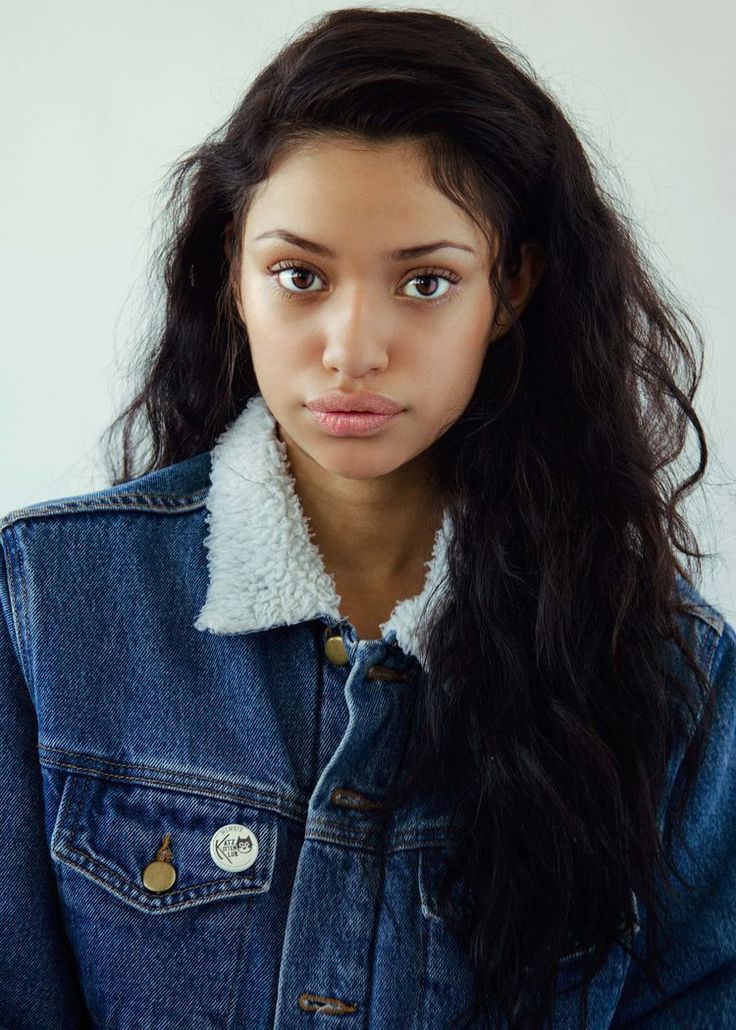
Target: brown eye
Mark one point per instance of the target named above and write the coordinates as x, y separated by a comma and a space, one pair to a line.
297, 276
423, 282
300, 274
427, 277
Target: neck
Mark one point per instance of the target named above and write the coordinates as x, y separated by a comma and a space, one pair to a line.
380, 529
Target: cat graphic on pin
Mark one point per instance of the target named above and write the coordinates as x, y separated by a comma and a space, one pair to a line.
234, 847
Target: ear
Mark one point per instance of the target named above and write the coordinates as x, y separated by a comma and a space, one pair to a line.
520, 286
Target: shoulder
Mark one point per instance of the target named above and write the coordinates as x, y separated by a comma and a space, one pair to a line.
87, 552
691, 597
174, 488
709, 700
703, 624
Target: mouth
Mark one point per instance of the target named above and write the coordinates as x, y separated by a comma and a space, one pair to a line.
352, 423
339, 402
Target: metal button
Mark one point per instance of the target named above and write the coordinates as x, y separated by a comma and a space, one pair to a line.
335, 649
159, 876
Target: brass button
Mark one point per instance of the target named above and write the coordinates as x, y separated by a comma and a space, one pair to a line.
159, 876
335, 649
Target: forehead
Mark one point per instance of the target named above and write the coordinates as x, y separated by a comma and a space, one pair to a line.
383, 190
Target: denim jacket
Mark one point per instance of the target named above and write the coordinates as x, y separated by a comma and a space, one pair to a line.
195, 745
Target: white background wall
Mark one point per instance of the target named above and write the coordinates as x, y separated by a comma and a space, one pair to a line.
98, 99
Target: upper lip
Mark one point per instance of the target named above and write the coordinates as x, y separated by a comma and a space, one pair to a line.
338, 400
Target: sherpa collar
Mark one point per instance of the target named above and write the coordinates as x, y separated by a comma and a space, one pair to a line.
264, 568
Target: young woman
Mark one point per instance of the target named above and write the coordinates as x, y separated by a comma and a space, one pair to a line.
379, 692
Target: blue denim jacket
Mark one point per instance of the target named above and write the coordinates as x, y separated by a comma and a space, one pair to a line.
194, 750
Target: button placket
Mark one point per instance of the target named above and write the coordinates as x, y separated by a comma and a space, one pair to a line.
346, 814
346, 797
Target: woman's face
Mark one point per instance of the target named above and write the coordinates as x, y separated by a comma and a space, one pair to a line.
351, 315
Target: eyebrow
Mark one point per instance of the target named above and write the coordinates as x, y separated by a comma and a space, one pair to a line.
402, 254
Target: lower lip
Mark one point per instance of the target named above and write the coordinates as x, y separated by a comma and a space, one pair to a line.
353, 423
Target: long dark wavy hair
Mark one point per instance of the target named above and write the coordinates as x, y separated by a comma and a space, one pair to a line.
546, 709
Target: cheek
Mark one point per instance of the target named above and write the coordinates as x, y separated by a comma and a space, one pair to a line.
455, 367
274, 340
260, 303
448, 383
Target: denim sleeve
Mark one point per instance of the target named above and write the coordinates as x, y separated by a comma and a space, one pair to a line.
39, 989
699, 944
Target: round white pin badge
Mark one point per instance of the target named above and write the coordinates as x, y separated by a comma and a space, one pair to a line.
234, 847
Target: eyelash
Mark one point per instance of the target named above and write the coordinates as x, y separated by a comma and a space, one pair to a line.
424, 273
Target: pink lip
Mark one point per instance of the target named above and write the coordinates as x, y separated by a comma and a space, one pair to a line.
340, 401
353, 423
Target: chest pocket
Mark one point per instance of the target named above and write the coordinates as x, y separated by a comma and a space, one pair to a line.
449, 975
174, 955
111, 831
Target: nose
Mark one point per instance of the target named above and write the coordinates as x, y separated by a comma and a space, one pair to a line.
354, 343
354, 360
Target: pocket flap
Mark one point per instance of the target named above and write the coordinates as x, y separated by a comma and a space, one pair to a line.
111, 831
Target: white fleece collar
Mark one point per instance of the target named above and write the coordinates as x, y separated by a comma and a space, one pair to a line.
264, 568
